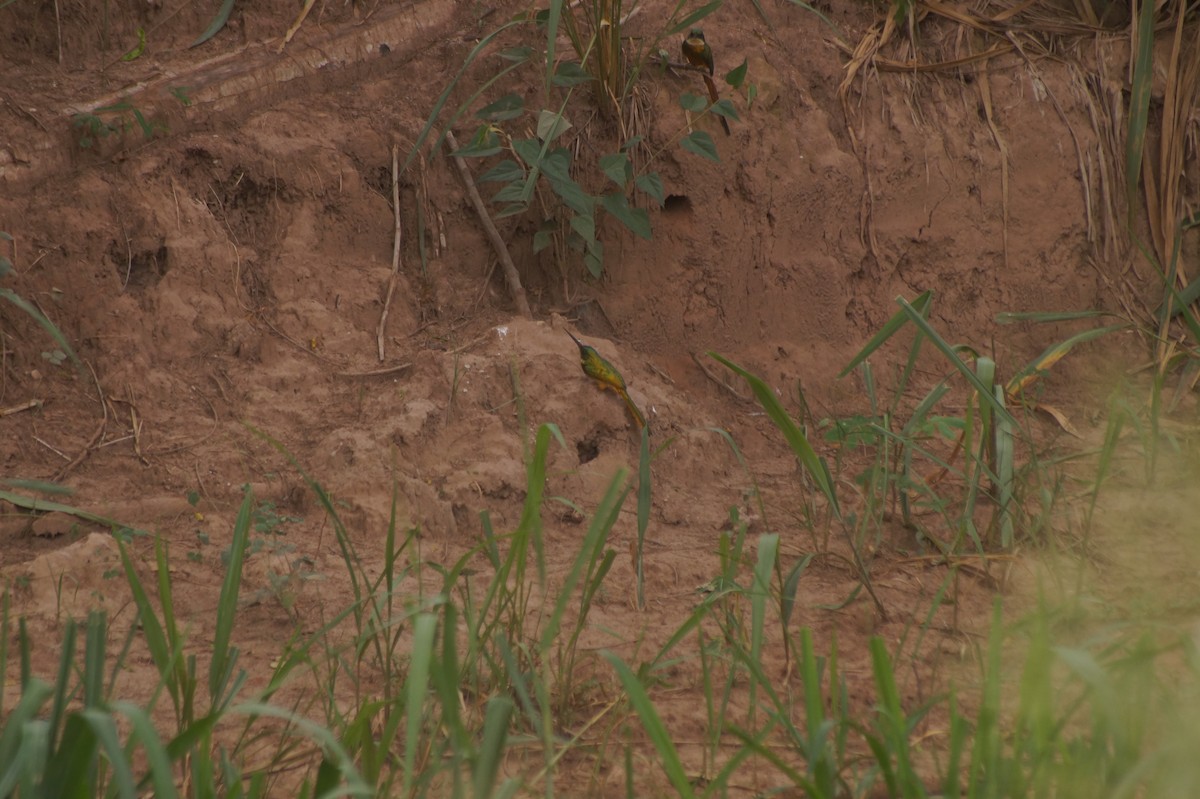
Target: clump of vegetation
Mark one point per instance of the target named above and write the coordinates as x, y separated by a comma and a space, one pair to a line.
539, 173
118, 119
444, 679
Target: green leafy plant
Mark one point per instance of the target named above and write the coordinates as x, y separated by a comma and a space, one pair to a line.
113, 120
540, 173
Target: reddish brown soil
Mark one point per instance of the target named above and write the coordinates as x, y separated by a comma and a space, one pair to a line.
231, 272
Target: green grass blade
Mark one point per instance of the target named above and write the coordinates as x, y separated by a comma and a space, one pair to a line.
25, 647
46, 324
1048, 317
516, 679
898, 320
38, 485
492, 747
820, 766
94, 655
13, 734
694, 17
70, 771
589, 553
760, 592
189, 739
62, 682
809, 460
415, 687
5, 605
1117, 416
446, 675
893, 722
324, 738
223, 654
553, 18
105, 730
174, 674
770, 754
914, 315
217, 23
157, 759
668, 755
790, 586
986, 751
530, 526
29, 503
1005, 469
1055, 353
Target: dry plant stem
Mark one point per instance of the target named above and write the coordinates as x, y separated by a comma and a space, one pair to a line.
58, 27
51, 448
295, 343
709, 374
24, 406
510, 271
985, 91
94, 441
388, 370
395, 275
308, 4
128, 260
136, 425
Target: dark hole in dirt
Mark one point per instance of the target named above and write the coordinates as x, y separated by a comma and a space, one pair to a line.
140, 269
462, 516
588, 448
242, 191
677, 204
380, 179
199, 154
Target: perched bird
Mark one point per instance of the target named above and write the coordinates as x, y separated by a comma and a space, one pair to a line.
606, 376
697, 52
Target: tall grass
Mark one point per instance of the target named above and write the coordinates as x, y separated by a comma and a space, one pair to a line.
467, 678
448, 679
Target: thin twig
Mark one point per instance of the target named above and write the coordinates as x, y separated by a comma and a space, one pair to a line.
96, 437
52, 449
309, 349
128, 260
136, 424
394, 276
24, 406
511, 277
58, 26
709, 374
469, 344
295, 26
388, 370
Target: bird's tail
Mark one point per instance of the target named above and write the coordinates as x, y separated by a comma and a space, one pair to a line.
713, 97
633, 409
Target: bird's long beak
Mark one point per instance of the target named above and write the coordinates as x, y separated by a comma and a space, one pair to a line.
577, 341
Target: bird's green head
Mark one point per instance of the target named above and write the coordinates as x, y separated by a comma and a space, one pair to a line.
696, 33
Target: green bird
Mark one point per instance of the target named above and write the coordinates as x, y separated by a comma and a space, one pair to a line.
606, 376
697, 53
